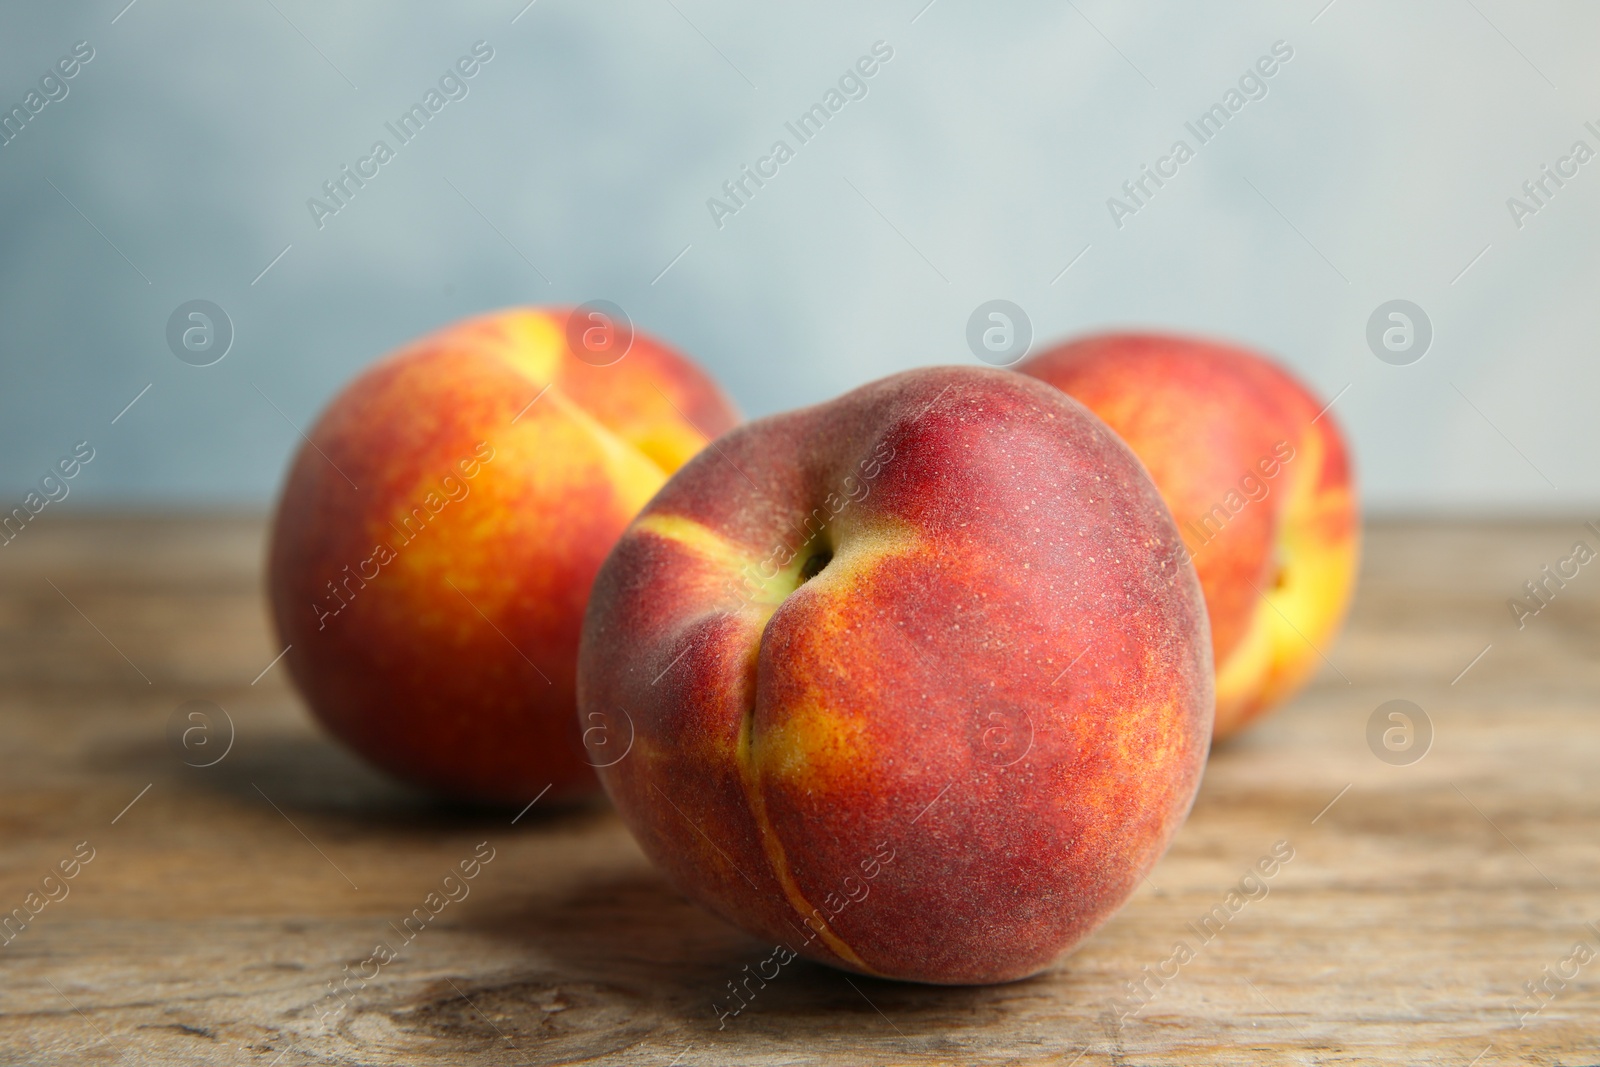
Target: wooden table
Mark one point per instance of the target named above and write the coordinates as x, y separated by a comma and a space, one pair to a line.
222, 901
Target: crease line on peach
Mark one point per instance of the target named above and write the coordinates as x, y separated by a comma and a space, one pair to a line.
778, 862
1268, 601
499, 631
705, 835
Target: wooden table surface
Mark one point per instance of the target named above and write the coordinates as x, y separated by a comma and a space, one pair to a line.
220, 902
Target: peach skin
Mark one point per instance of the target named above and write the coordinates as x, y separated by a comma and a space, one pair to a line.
433, 547
1256, 474
918, 680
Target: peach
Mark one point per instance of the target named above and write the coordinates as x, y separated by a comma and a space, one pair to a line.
1257, 477
435, 542
918, 680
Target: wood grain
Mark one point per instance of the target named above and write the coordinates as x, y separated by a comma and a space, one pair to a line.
220, 905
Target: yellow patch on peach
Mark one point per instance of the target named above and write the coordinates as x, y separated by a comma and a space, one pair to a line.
869, 546
697, 537
498, 507
669, 445
815, 746
1159, 738
535, 344
1313, 597
1155, 736
1304, 608
724, 565
1239, 677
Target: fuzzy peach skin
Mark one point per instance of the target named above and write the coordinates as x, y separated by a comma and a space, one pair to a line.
1257, 476
435, 542
918, 681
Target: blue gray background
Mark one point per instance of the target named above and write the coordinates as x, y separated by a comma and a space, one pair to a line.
978, 166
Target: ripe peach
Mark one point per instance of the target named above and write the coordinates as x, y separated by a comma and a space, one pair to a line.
918, 680
1256, 474
434, 545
